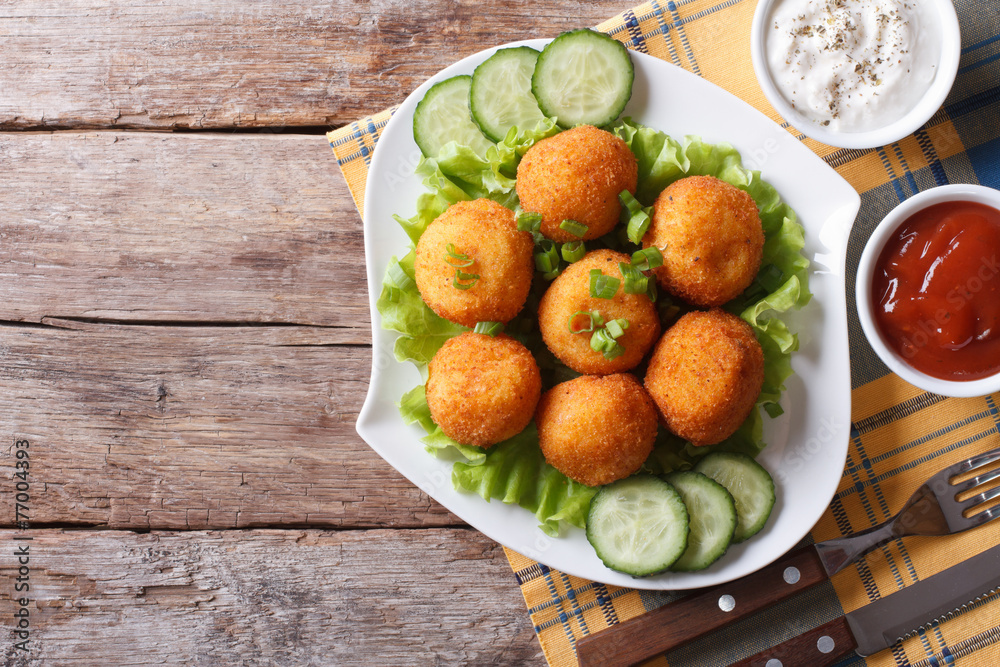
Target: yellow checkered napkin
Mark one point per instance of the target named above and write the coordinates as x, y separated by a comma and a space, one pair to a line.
900, 435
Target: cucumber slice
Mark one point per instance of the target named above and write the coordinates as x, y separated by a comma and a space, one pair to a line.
501, 93
712, 514
751, 486
638, 525
443, 116
583, 78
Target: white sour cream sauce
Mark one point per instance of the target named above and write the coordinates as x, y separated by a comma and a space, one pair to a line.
852, 65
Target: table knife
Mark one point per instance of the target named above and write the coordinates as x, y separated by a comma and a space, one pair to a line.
880, 624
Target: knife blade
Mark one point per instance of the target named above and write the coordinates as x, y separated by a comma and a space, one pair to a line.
880, 624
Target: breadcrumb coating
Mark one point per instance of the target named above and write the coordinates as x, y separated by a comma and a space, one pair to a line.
711, 238
569, 293
577, 175
596, 429
501, 256
482, 390
705, 375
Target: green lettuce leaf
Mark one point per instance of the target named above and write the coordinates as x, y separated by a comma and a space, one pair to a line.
422, 331
414, 410
515, 471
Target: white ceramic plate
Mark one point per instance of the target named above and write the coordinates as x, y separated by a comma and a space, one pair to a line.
807, 446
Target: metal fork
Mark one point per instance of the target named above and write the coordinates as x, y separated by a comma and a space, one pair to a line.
934, 509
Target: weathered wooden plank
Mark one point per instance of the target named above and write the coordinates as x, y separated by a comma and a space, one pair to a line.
142, 226
155, 427
191, 64
266, 598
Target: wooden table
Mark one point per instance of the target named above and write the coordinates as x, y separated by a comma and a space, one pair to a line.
185, 343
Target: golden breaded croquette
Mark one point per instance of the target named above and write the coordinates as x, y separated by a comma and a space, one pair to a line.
482, 390
577, 175
596, 429
570, 294
473, 265
711, 238
705, 375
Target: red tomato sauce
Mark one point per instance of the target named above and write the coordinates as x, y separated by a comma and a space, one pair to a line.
936, 291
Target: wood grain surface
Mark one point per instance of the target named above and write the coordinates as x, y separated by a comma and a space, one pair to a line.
185, 340
190, 64
269, 597
207, 227
156, 427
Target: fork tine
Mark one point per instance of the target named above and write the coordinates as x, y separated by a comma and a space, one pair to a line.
974, 462
984, 516
982, 497
976, 481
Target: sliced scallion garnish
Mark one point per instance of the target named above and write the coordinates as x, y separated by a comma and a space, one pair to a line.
577, 229
616, 328
547, 257
602, 341
638, 217
647, 258
491, 329
602, 286
573, 251
635, 281
457, 259
529, 222
593, 320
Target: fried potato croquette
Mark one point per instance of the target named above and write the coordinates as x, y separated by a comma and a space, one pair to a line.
473, 265
569, 294
596, 429
577, 175
705, 375
482, 390
711, 238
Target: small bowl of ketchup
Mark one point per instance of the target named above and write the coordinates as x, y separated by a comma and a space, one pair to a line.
928, 290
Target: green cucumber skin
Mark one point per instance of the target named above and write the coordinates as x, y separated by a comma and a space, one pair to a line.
715, 464
616, 561
552, 49
427, 144
481, 87
687, 484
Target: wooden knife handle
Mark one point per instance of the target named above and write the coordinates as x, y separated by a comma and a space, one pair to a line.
701, 613
820, 647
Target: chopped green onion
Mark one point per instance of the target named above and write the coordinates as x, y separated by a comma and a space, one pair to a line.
616, 328
529, 222
398, 277
594, 320
651, 291
577, 229
635, 282
547, 257
552, 275
491, 329
461, 276
638, 217
647, 258
773, 410
573, 251
456, 259
602, 341
770, 278
602, 286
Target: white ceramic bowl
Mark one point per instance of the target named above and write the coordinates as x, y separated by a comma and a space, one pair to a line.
866, 271
943, 18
